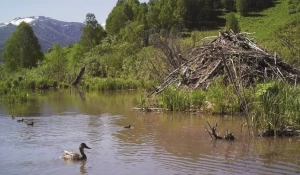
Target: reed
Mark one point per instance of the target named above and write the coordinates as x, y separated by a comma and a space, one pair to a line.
277, 105
102, 84
175, 99
197, 99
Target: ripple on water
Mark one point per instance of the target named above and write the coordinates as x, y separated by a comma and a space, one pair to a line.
148, 148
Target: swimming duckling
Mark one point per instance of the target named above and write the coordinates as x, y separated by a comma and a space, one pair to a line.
76, 156
20, 120
127, 126
30, 123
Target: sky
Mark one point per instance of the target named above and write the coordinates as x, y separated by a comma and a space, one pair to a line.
63, 10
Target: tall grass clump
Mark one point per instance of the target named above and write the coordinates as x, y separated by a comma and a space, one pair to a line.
222, 98
103, 84
197, 99
277, 105
174, 99
11, 92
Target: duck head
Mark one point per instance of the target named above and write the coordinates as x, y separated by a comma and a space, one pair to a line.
83, 145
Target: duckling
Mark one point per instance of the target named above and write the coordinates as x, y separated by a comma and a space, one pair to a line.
30, 123
12, 117
127, 126
20, 120
76, 156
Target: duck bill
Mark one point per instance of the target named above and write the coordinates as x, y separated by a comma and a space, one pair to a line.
88, 147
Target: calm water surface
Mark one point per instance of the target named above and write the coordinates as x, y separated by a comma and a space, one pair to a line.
158, 143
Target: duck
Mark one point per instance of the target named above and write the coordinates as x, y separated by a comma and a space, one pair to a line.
76, 156
20, 120
30, 123
127, 126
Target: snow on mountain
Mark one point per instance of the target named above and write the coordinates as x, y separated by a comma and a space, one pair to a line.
18, 21
32, 20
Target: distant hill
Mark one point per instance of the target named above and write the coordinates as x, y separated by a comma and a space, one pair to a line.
47, 30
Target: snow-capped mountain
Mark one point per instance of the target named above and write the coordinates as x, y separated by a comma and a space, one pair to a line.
18, 20
49, 31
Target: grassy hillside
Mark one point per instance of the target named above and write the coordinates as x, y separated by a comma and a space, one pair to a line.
263, 23
267, 21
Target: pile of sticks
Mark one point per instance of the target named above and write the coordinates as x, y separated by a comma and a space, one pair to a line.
234, 56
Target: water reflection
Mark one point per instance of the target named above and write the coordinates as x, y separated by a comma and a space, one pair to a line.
72, 163
82, 167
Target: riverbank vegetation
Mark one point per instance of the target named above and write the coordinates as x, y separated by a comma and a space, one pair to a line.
142, 43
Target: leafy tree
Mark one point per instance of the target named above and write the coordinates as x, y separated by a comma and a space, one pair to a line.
242, 7
232, 23
199, 11
133, 33
55, 63
120, 2
134, 4
180, 11
153, 13
142, 14
92, 33
259, 4
120, 15
229, 5
142, 20
165, 16
22, 49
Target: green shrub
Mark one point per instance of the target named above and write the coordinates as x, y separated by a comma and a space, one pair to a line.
16, 83
30, 84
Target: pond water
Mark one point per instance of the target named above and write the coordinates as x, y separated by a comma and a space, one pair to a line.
158, 143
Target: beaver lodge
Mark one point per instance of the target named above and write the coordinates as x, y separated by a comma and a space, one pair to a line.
235, 57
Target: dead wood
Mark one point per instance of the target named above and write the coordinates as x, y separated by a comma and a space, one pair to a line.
232, 54
212, 131
79, 76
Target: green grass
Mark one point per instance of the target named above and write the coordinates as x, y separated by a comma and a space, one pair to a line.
267, 21
103, 84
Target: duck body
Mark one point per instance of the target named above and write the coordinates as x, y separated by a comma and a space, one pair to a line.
20, 120
129, 126
30, 123
76, 156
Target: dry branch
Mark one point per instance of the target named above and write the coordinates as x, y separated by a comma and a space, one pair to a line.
212, 131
